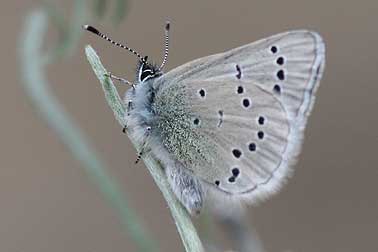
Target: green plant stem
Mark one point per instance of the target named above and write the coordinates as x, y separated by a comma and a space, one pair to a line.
99, 7
36, 85
182, 219
70, 31
120, 10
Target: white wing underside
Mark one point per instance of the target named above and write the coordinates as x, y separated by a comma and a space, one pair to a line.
256, 142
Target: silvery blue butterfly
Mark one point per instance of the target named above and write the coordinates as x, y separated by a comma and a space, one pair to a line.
226, 127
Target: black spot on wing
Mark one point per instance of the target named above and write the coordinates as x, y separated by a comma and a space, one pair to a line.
281, 74
239, 72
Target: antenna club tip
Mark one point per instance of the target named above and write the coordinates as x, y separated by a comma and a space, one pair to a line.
167, 25
91, 29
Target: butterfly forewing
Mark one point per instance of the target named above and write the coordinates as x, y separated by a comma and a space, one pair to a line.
245, 110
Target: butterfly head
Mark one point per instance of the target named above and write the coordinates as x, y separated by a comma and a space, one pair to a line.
146, 70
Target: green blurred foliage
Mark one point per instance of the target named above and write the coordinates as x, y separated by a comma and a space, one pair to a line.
33, 64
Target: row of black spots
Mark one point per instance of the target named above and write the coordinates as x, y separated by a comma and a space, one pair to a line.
281, 76
235, 171
234, 174
237, 153
246, 102
260, 134
252, 146
261, 121
239, 89
280, 60
280, 73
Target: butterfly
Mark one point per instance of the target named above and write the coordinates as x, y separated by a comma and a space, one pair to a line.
228, 127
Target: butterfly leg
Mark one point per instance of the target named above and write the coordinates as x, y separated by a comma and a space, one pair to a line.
128, 109
122, 80
186, 187
129, 106
142, 151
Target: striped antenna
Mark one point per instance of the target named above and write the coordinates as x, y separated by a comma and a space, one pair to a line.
166, 47
95, 31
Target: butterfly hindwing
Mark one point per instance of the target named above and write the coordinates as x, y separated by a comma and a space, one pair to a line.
236, 119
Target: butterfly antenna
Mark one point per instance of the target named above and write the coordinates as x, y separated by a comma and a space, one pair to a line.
95, 31
166, 47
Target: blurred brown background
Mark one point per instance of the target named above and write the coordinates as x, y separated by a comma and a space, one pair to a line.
48, 204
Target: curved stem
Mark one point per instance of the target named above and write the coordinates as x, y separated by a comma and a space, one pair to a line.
37, 88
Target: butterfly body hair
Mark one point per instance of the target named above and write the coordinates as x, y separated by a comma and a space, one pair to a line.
146, 117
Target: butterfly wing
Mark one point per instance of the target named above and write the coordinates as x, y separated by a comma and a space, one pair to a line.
236, 119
